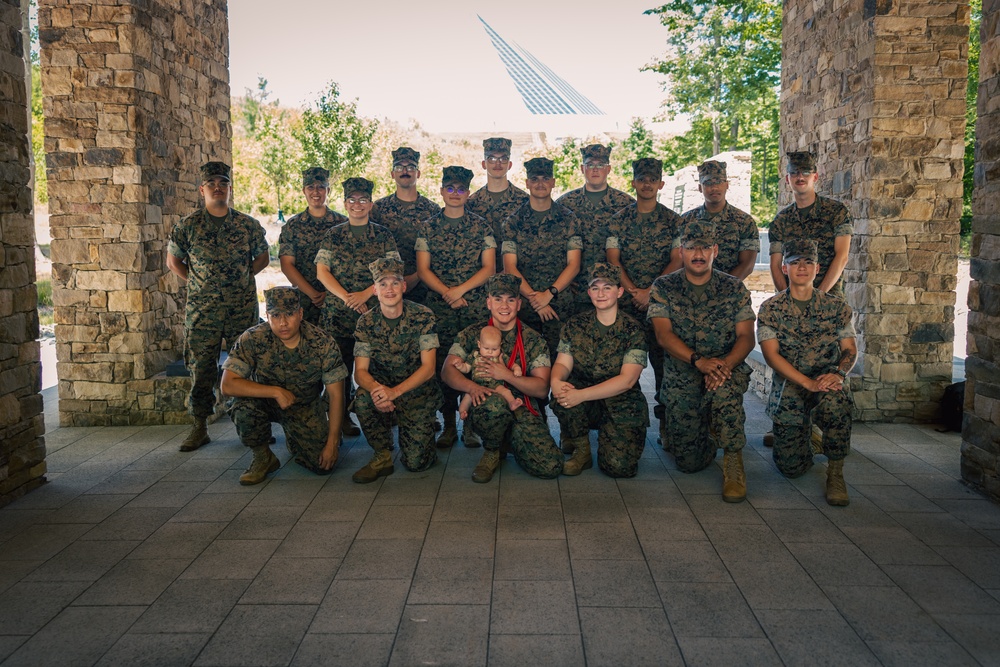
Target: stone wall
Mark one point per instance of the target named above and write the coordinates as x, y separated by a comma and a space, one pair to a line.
22, 448
877, 89
136, 98
981, 429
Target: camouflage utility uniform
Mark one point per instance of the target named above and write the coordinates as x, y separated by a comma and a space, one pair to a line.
221, 292
735, 231
495, 208
261, 357
706, 324
402, 219
300, 239
822, 222
598, 355
810, 341
393, 352
528, 434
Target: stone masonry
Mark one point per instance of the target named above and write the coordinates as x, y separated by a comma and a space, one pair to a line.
22, 448
136, 96
981, 429
877, 89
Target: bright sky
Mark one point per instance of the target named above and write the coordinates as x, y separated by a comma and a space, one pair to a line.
433, 61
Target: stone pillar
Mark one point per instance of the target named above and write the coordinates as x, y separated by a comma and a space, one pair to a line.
136, 98
877, 89
22, 448
981, 428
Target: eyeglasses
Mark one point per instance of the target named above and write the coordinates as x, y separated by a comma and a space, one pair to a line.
359, 200
456, 190
801, 173
498, 159
404, 168
595, 165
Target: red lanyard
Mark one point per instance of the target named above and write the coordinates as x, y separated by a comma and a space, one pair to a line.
518, 354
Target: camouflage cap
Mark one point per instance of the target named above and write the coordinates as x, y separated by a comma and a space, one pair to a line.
386, 266
794, 249
698, 233
405, 154
315, 175
503, 283
358, 184
455, 175
801, 162
215, 169
647, 166
282, 300
596, 152
495, 145
712, 172
539, 166
609, 273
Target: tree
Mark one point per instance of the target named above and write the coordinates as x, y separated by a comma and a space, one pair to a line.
332, 135
971, 114
638, 144
269, 127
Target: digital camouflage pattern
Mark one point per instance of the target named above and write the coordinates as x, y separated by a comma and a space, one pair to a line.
594, 222
809, 341
799, 248
402, 219
260, 356
822, 222
213, 169
801, 162
385, 267
348, 256
221, 292
712, 172
609, 273
300, 239
528, 434
456, 176
541, 250
696, 233
647, 167
501, 284
358, 184
496, 146
598, 355
706, 324
596, 152
281, 300
393, 355
315, 175
735, 231
539, 166
405, 154
496, 210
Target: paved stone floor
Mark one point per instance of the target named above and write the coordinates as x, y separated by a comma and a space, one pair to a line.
136, 554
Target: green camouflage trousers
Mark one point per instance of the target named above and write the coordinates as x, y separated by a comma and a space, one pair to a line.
794, 414
449, 322
415, 414
698, 421
306, 427
564, 304
203, 337
621, 423
534, 449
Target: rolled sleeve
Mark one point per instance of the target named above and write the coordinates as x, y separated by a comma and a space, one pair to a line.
540, 361
765, 332
421, 245
324, 257
335, 374
428, 342
362, 349
611, 243
635, 356
575, 243
174, 249
509, 248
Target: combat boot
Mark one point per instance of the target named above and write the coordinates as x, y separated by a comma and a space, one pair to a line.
734, 479
567, 445
769, 439
836, 487
197, 436
263, 464
469, 437
488, 465
581, 460
380, 466
349, 429
449, 436
816, 440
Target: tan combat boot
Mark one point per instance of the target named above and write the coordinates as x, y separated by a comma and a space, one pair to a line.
380, 466
263, 464
196, 437
734, 479
836, 487
567, 445
469, 437
816, 440
488, 465
449, 436
581, 459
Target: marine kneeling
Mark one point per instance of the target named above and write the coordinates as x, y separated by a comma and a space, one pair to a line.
276, 372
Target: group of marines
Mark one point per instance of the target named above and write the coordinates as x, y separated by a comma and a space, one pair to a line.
412, 302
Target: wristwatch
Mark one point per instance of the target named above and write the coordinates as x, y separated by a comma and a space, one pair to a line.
841, 373
553, 290
694, 358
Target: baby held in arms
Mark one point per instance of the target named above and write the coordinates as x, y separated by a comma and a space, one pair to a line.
489, 348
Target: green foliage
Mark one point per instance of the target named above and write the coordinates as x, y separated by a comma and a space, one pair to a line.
332, 135
567, 164
971, 113
44, 287
638, 144
38, 136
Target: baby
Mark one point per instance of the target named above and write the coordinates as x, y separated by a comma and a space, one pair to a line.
489, 348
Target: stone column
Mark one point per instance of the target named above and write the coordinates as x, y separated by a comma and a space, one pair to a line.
981, 428
136, 98
22, 448
877, 90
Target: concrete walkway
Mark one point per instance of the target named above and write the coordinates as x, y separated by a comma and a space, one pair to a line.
136, 554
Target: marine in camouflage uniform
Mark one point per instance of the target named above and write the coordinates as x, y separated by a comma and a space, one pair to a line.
808, 338
525, 429
217, 250
286, 359
811, 216
595, 381
542, 246
643, 240
456, 253
394, 353
735, 230
595, 204
402, 212
300, 240
704, 321
499, 198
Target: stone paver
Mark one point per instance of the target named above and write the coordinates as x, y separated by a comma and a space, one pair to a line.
140, 555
